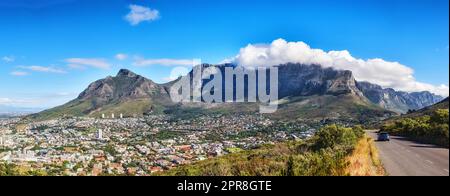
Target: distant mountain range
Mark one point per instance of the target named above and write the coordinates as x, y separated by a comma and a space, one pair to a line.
429, 110
306, 91
397, 101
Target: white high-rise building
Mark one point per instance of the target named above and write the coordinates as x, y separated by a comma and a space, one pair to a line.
112, 115
100, 134
103, 116
121, 115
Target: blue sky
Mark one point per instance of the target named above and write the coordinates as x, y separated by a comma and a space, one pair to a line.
50, 50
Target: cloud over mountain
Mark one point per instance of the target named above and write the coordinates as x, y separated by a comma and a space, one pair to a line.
376, 70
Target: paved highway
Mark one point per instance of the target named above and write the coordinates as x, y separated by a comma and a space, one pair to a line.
402, 157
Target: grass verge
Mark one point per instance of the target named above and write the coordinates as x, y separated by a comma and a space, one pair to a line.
364, 160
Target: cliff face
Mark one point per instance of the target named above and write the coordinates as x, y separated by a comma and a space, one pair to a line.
307, 80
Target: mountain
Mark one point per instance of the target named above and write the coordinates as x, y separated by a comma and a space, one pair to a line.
397, 101
305, 91
429, 110
127, 93
124, 87
307, 80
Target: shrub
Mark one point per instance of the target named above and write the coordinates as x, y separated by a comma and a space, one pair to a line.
431, 129
333, 135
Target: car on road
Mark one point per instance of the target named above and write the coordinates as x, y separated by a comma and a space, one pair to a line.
383, 136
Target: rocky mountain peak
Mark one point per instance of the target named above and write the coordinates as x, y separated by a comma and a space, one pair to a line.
124, 86
126, 73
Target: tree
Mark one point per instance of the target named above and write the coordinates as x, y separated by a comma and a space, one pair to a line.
440, 116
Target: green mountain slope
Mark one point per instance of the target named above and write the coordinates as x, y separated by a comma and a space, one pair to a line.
429, 125
307, 93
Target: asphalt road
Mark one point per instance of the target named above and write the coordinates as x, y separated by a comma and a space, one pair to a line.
402, 157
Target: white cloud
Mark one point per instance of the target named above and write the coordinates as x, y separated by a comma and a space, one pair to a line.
76, 66
8, 59
38, 68
16, 102
80, 63
19, 73
38, 100
140, 14
6, 101
121, 57
387, 74
165, 62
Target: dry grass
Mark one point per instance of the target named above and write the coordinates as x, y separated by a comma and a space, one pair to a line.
364, 161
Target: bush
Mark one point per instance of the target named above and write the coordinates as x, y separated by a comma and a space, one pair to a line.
333, 135
440, 117
431, 129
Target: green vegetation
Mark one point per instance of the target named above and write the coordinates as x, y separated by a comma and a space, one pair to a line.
42, 127
127, 108
73, 108
164, 135
323, 155
110, 150
426, 128
2, 149
344, 108
13, 170
233, 150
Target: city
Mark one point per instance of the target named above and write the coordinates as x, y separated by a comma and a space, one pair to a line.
134, 146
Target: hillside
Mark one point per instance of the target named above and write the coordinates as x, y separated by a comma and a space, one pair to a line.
306, 92
430, 125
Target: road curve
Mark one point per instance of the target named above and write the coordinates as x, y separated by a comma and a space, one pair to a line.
402, 157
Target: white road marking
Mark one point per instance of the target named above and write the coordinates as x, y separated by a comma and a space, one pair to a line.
408, 151
417, 155
446, 170
428, 161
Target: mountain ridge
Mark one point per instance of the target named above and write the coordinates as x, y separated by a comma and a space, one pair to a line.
134, 95
397, 101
